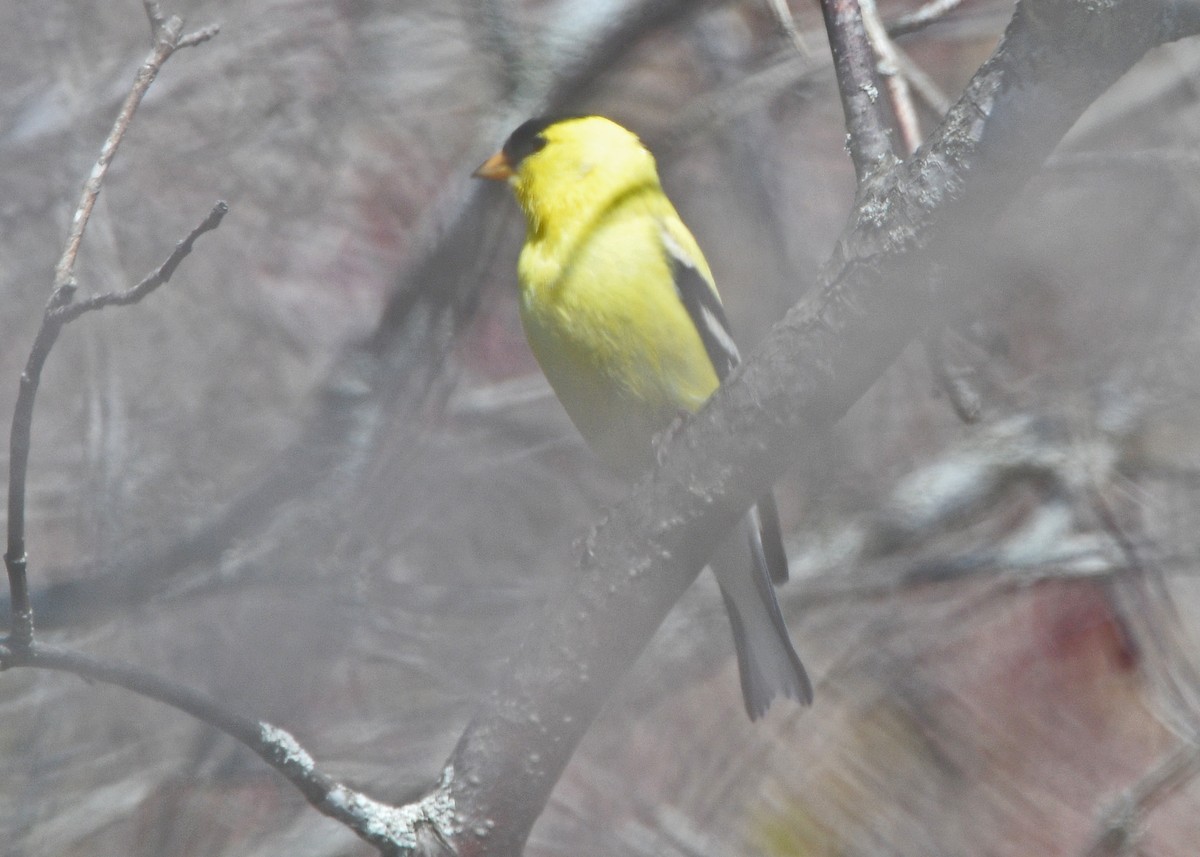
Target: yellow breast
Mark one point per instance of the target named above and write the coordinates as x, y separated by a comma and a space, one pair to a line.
607, 326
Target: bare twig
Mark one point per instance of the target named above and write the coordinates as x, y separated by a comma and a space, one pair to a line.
166, 38
197, 37
903, 79
923, 16
922, 84
163, 27
868, 126
730, 101
783, 16
386, 827
154, 14
21, 628
1121, 822
888, 66
156, 278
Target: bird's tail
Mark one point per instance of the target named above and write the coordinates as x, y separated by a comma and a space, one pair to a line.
767, 662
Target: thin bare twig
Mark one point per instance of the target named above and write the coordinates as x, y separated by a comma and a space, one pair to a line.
783, 17
70, 312
154, 14
161, 25
166, 38
868, 125
922, 84
1121, 822
923, 16
386, 827
888, 66
904, 79
15, 560
198, 36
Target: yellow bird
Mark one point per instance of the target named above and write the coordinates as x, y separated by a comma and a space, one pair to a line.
622, 313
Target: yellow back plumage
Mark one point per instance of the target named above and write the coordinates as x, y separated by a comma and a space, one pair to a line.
598, 297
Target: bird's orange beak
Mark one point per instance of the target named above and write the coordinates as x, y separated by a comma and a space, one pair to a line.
496, 168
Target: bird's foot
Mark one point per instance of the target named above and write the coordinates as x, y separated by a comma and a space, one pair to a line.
663, 439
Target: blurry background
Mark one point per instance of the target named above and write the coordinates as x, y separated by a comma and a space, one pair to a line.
319, 476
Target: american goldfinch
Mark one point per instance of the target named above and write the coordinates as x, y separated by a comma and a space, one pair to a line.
622, 314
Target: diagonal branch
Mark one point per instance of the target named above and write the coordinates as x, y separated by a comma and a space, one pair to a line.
383, 826
156, 278
891, 277
166, 35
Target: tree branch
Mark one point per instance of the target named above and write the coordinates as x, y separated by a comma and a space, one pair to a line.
165, 35
895, 78
868, 124
70, 312
923, 16
887, 282
1121, 822
383, 826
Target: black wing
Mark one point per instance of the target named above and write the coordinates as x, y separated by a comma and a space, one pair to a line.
701, 301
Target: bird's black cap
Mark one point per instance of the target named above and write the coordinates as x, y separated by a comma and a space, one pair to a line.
528, 138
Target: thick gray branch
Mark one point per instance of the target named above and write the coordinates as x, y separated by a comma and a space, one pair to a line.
887, 282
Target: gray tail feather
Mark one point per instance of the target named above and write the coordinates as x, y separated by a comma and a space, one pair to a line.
765, 517
767, 662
